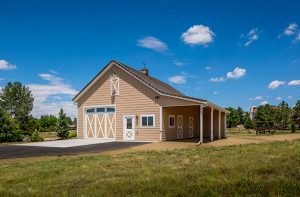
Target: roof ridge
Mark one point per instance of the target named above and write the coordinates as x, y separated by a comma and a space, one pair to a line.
152, 82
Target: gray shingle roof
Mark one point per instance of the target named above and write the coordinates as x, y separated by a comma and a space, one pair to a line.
154, 83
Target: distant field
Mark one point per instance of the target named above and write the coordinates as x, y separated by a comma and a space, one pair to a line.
53, 135
237, 132
268, 169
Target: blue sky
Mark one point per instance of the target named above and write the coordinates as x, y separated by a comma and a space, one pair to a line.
234, 53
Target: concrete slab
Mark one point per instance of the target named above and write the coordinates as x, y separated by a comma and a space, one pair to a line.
68, 143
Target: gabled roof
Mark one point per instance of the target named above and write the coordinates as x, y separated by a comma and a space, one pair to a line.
155, 84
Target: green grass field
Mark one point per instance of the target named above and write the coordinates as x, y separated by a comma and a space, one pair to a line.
259, 170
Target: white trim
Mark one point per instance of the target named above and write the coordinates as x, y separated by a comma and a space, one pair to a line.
94, 81
178, 136
112, 84
171, 116
212, 124
212, 105
124, 127
201, 125
112, 63
77, 122
147, 115
225, 125
220, 124
160, 122
85, 133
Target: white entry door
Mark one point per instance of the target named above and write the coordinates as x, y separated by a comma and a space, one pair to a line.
129, 127
179, 126
191, 126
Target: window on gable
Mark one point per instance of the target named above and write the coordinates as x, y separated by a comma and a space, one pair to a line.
171, 121
114, 86
148, 121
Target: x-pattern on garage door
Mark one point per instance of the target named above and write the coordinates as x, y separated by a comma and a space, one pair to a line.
100, 122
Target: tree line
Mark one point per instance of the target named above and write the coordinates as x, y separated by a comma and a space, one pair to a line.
16, 121
267, 118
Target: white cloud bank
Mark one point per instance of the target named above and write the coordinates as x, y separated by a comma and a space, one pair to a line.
235, 74
275, 84
4, 65
48, 97
198, 35
177, 79
294, 83
153, 43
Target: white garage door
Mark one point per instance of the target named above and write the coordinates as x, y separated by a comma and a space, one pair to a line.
100, 122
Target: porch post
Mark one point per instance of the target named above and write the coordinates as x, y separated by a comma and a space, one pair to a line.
160, 122
211, 124
219, 124
225, 125
201, 125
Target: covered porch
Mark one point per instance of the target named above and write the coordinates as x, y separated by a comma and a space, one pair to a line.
204, 122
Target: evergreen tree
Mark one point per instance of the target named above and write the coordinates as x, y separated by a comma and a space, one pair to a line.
284, 115
248, 124
296, 113
17, 100
62, 127
233, 118
241, 115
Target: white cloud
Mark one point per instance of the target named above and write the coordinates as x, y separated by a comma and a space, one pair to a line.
276, 84
289, 97
237, 73
207, 68
153, 43
4, 65
294, 83
264, 103
198, 35
291, 29
256, 98
251, 36
179, 63
178, 79
215, 93
278, 98
217, 79
55, 88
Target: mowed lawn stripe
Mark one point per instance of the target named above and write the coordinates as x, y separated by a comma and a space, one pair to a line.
255, 169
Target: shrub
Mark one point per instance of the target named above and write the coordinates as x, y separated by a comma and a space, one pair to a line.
293, 128
36, 137
8, 132
72, 134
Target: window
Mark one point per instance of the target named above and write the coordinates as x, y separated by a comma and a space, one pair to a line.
114, 86
148, 121
101, 110
110, 110
171, 121
91, 110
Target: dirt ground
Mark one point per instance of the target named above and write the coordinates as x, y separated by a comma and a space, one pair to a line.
190, 143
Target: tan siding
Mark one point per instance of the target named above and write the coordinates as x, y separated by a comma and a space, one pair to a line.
206, 122
133, 99
186, 112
